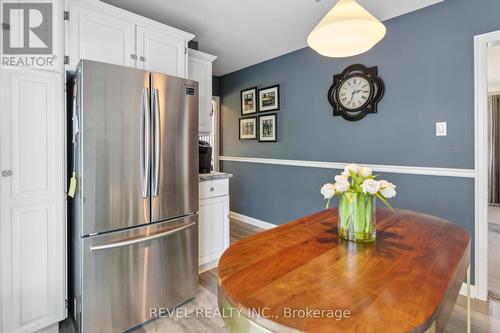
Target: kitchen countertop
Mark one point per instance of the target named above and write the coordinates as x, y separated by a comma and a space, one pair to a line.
204, 177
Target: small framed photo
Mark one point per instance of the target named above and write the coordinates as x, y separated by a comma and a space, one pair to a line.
248, 128
269, 99
268, 128
249, 101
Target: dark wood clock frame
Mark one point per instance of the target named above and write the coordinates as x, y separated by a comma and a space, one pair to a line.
377, 92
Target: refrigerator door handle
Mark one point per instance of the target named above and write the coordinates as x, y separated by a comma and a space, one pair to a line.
156, 142
140, 239
145, 144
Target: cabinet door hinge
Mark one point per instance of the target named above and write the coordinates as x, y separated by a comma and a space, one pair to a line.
66, 60
66, 15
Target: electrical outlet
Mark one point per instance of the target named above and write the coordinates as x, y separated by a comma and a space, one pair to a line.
441, 129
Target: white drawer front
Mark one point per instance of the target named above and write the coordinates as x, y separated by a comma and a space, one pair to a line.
214, 188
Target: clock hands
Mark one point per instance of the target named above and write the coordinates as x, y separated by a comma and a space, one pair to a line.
354, 92
352, 96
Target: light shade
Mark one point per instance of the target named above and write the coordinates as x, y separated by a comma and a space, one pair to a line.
347, 30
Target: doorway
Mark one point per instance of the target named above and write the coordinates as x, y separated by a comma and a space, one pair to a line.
493, 118
487, 165
212, 138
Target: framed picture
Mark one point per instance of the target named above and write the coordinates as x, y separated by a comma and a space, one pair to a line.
249, 101
248, 128
268, 128
269, 99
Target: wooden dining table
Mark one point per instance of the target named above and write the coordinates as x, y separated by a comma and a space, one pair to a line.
301, 277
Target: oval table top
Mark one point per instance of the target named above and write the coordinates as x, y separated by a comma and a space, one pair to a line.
406, 281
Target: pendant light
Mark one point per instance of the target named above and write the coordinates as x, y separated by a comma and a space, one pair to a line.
347, 30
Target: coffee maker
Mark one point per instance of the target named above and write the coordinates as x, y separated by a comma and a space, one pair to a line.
205, 157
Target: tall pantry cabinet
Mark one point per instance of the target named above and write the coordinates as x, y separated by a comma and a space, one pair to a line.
32, 192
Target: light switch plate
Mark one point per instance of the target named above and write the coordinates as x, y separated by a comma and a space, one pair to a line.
441, 129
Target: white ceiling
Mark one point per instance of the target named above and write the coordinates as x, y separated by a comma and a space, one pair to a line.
244, 33
494, 68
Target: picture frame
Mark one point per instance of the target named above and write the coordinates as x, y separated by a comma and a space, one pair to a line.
248, 128
268, 128
269, 98
249, 101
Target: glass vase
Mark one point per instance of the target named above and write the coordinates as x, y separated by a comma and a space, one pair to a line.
356, 217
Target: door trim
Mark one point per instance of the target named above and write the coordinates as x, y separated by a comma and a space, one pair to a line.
216, 131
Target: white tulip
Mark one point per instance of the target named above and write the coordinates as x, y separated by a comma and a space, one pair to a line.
385, 183
342, 185
341, 178
365, 172
351, 167
388, 192
370, 186
387, 189
328, 190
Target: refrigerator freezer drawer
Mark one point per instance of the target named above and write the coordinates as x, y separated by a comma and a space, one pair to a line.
128, 273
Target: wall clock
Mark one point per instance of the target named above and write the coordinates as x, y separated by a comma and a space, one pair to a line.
356, 92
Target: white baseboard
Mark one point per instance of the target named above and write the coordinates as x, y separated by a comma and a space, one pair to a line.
267, 225
54, 328
208, 266
251, 220
463, 290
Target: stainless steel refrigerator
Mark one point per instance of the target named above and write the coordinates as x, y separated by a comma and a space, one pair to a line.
134, 225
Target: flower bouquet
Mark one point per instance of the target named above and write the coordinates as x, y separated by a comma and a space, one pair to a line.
357, 190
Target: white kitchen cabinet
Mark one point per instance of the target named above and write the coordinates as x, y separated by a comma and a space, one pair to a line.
200, 69
159, 52
100, 36
101, 32
213, 222
32, 192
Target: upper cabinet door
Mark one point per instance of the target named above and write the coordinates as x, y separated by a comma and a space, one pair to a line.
100, 35
161, 52
200, 69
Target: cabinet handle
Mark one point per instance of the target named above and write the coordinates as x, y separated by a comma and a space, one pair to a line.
133, 56
141, 58
6, 173
212, 189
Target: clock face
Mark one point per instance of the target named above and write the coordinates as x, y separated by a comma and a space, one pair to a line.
354, 93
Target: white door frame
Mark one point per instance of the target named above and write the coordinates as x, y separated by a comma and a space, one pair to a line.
481, 160
216, 131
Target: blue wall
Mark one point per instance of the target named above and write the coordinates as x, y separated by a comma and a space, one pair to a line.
426, 61
215, 86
